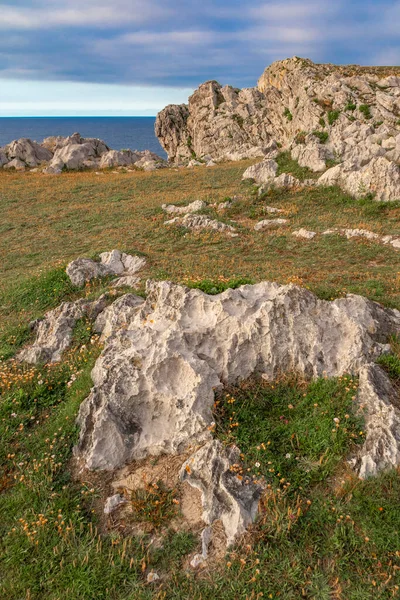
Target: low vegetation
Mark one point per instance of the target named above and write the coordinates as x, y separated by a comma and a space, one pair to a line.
321, 532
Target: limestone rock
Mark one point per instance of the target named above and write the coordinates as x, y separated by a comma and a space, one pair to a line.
115, 158
262, 172
27, 152
313, 156
54, 332
115, 262
220, 122
113, 502
225, 496
270, 224
193, 221
295, 105
15, 163
154, 382
381, 449
193, 207
82, 270
118, 315
304, 233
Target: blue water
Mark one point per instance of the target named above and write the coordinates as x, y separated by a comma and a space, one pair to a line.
136, 133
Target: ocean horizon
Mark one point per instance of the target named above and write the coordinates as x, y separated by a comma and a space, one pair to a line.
136, 133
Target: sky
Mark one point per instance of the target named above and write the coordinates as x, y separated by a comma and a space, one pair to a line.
133, 57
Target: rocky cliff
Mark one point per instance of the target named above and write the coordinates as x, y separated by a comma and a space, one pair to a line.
322, 114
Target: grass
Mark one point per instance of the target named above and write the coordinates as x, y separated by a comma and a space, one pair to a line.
327, 534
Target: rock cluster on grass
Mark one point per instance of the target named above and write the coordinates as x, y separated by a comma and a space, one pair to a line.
320, 113
56, 154
193, 221
124, 266
165, 357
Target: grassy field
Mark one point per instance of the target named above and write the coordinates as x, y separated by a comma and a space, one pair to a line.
322, 534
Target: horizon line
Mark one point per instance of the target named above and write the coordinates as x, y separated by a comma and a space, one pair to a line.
76, 116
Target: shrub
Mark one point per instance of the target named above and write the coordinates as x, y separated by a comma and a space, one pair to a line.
288, 114
365, 110
321, 135
333, 116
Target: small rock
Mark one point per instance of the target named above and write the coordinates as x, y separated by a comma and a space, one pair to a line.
152, 577
113, 502
270, 224
304, 233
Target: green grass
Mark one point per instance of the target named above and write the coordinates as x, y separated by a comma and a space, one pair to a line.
333, 116
286, 164
322, 136
327, 534
365, 109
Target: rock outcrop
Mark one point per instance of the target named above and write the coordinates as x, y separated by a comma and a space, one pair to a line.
72, 153
154, 382
319, 113
165, 357
124, 266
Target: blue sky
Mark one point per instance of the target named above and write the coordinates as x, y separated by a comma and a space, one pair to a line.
132, 57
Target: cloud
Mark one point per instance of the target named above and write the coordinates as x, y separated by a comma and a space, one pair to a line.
92, 13
180, 43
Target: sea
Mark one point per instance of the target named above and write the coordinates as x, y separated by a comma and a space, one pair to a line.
136, 133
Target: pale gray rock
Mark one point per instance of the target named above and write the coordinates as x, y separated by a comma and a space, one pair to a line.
313, 155
379, 177
74, 156
54, 332
154, 382
270, 224
262, 172
28, 152
193, 221
3, 158
115, 262
273, 210
285, 180
118, 158
82, 270
118, 315
16, 163
381, 449
225, 496
304, 233
193, 207
113, 502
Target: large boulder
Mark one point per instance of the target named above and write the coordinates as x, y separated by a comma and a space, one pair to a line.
262, 172
154, 382
115, 158
379, 177
27, 152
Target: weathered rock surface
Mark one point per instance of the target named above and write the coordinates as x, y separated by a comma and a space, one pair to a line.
154, 382
118, 315
73, 152
225, 496
115, 262
193, 221
262, 172
304, 233
27, 152
193, 207
54, 332
270, 224
318, 112
379, 177
381, 449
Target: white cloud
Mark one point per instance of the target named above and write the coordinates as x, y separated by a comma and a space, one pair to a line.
91, 13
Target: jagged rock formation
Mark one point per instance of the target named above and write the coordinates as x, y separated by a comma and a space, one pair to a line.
164, 358
225, 497
154, 382
74, 152
193, 221
54, 332
193, 207
125, 266
349, 115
